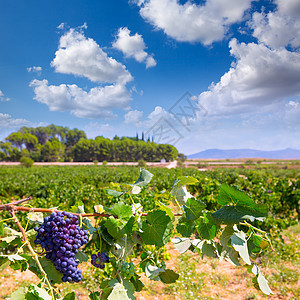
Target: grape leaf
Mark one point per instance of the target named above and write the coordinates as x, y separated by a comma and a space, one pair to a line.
192, 209
144, 179
19, 294
207, 228
156, 228
70, 296
181, 244
118, 293
239, 243
168, 276
122, 210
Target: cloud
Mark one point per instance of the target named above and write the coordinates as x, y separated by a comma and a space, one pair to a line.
8, 123
133, 117
34, 69
280, 28
82, 56
93, 129
259, 77
3, 98
96, 103
204, 23
133, 46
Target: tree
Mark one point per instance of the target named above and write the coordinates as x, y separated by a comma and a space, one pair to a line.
30, 141
17, 139
53, 150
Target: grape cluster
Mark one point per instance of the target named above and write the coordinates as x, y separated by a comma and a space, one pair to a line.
98, 260
127, 270
61, 237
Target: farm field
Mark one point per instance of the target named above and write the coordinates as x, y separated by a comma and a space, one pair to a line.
277, 187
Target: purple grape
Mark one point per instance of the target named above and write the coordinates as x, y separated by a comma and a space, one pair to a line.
61, 237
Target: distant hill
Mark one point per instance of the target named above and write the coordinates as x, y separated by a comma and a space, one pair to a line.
247, 153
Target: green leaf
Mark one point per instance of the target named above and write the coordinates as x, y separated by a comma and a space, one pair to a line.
193, 209
239, 243
207, 228
185, 180
94, 295
261, 280
88, 225
235, 214
230, 194
156, 228
152, 271
70, 296
185, 228
1, 229
118, 293
129, 287
114, 193
19, 294
81, 256
138, 285
144, 179
208, 249
168, 276
181, 244
165, 208
115, 227
53, 275
39, 292
226, 235
122, 210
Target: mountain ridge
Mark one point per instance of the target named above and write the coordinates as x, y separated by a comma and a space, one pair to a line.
287, 153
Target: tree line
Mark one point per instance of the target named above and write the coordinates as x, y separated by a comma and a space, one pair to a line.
57, 143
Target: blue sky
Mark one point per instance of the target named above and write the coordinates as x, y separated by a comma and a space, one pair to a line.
121, 67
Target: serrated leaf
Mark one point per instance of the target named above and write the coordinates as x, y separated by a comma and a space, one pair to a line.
138, 285
115, 227
144, 178
232, 256
180, 193
118, 293
129, 287
235, 214
181, 244
229, 194
86, 222
168, 276
185, 228
114, 193
226, 235
70, 296
208, 249
122, 210
207, 228
239, 243
81, 256
156, 228
19, 294
152, 271
193, 209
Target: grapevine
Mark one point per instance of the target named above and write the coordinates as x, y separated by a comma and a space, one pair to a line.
124, 231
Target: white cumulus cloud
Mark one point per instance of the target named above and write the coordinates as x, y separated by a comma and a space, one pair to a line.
280, 28
96, 103
260, 76
190, 22
82, 56
133, 46
133, 117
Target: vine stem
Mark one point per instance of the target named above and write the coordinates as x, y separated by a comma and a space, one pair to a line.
32, 252
260, 231
12, 207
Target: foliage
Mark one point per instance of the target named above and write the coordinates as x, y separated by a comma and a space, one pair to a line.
57, 143
131, 225
26, 162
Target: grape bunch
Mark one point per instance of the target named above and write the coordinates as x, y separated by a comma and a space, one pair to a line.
61, 237
127, 270
98, 260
